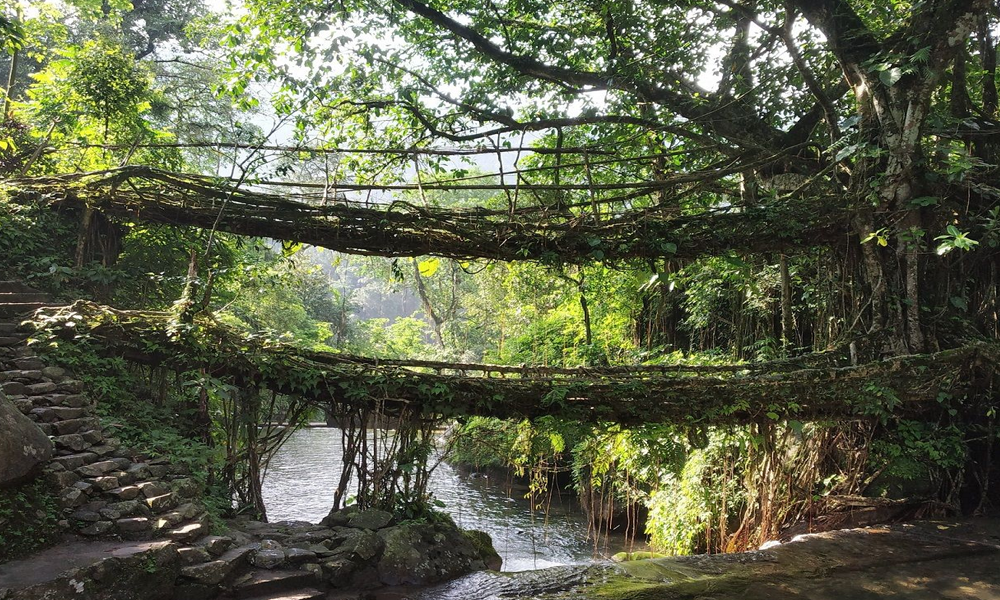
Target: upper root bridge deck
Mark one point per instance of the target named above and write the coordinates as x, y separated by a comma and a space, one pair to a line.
400, 228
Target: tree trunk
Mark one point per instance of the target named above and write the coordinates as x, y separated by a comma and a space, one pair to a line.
787, 320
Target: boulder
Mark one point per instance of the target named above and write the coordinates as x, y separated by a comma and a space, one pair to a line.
24, 449
484, 545
361, 545
424, 553
370, 519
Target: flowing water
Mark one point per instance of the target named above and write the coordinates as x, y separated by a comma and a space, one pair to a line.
300, 482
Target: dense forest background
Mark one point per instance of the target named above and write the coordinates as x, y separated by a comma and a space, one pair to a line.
830, 167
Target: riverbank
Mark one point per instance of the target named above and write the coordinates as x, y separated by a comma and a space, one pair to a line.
929, 560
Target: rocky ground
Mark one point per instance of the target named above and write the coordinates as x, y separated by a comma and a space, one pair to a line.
919, 561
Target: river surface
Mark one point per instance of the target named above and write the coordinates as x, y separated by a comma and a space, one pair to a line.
303, 474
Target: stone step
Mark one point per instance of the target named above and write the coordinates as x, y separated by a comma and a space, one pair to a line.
24, 297
24, 308
162, 503
83, 426
273, 584
188, 533
134, 528
75, 461
7, 341
71, 443
11, 286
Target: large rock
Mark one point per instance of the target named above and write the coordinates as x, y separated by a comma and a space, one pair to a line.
23, 446
423, 553
370, 519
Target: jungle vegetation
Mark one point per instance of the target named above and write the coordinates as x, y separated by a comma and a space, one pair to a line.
584, 183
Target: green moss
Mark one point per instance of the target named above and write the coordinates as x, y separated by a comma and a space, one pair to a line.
29, 520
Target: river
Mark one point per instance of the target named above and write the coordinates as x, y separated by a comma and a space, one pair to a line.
300, 481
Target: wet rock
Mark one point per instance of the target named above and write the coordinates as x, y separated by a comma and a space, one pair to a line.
24, 448
217, 545
53, 372
299, 555
268, 559
71, 498
211, 573
185, 488
370, 519
362, 545
337, 572
40, 389
484, 546
422, 553
98, 528
194, 555
73, 442
134, 525
75, 461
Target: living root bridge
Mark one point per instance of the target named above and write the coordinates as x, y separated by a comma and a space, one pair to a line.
402, 229
907, 385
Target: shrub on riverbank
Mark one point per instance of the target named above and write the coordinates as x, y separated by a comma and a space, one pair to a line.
723, 489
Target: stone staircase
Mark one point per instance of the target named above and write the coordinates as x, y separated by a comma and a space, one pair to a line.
18, 299
103, 488
107, 491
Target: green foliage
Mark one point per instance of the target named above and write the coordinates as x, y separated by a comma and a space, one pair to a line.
916, 454
37, 245
29, 519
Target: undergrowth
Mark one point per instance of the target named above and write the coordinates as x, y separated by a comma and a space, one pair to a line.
29, 519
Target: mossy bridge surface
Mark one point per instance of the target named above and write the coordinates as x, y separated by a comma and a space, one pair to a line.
321, 216
822, 386
829, 385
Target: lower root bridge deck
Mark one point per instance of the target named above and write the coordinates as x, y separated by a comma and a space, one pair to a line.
815, 387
